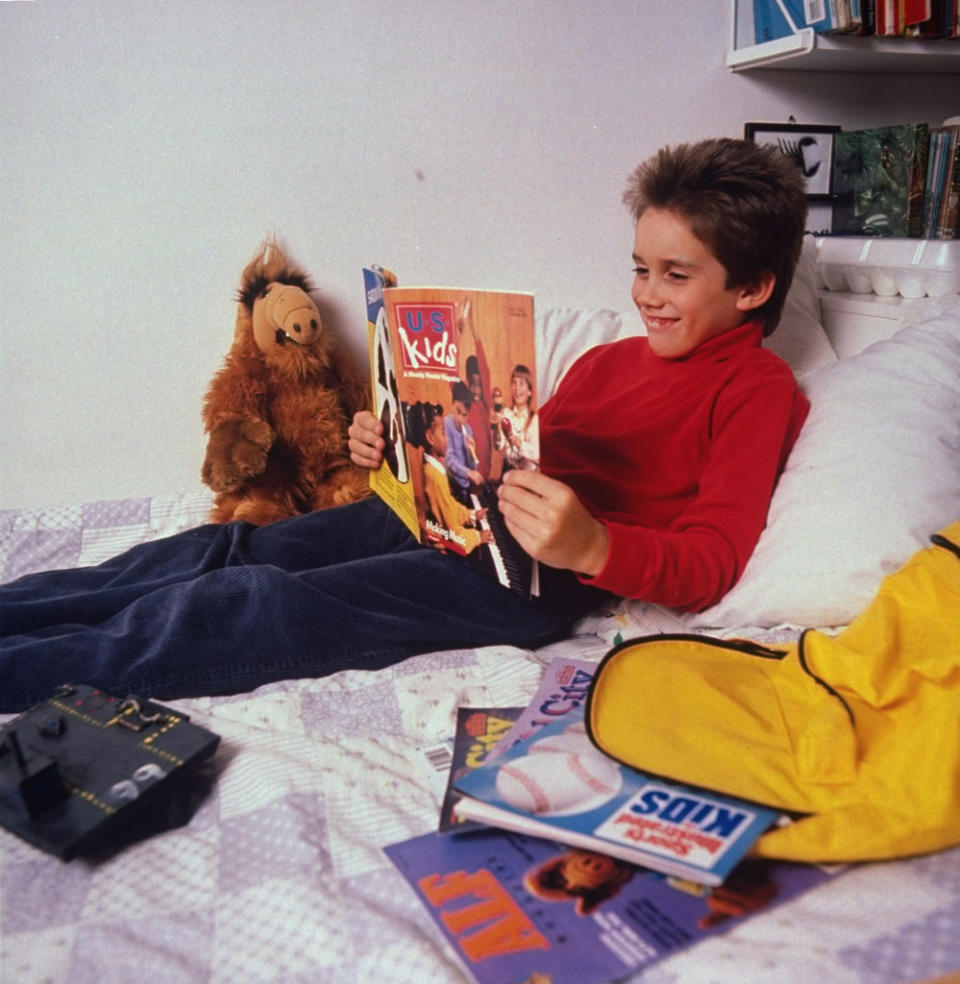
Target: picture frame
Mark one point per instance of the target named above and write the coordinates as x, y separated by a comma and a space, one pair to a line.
809, 144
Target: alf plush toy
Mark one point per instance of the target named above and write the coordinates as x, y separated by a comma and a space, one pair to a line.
277, 411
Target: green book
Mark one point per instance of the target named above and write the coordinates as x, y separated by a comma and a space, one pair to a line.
878, 180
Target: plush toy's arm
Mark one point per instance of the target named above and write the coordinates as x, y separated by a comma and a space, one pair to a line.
233, 416
238, 390
236, 451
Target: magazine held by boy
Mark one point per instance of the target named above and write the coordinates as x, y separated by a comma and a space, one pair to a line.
453, 382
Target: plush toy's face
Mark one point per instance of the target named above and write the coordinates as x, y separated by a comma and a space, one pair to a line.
285, 316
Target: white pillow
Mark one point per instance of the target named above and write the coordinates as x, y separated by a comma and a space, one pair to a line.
564, 334
875, 471
800, 339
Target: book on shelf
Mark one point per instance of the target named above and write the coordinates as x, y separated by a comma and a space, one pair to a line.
936, 195
557, 784
773, 19
879, 175
915, 12
924, 19
949, 216
518, 908
443, 365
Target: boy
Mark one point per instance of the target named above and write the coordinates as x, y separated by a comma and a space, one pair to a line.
659, 459
678, 438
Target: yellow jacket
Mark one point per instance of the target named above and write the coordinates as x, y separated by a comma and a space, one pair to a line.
860, 732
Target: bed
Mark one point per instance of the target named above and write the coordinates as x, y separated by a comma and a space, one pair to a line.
280, 875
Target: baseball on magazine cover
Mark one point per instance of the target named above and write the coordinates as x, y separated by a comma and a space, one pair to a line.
557, 784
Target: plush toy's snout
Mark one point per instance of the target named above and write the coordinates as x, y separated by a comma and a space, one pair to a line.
285, 313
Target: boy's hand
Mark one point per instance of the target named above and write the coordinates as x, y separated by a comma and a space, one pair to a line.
366, 443
551, 524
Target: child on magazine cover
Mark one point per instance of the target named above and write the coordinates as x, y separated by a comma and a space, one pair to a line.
519, 423
462, 464
659, 459
458, 524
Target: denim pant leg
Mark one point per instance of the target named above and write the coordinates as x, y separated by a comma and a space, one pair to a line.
225, 609
88, 595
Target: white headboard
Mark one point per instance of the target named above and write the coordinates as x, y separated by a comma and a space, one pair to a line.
870, 288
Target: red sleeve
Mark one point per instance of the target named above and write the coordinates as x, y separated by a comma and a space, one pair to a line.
703, 552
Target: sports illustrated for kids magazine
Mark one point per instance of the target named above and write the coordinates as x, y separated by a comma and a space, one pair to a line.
557, 784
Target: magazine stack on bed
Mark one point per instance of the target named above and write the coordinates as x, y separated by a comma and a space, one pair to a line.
571, 866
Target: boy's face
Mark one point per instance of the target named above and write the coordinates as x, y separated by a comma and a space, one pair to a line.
680, 289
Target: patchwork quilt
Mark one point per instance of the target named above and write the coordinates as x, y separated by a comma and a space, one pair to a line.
279, 875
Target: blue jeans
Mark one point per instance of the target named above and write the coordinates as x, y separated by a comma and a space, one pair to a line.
226, 608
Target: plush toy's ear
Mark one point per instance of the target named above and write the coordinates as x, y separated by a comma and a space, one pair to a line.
252, 281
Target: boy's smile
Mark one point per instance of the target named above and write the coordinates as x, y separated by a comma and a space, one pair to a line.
680, 287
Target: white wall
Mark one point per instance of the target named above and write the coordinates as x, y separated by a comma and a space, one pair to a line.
146, 148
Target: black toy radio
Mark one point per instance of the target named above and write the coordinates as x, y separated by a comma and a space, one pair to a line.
82, 770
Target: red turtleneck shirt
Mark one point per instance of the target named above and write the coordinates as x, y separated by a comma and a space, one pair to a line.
677, 457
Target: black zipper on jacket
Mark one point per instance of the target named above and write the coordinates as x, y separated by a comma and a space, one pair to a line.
942, 541
802, 656
746, 646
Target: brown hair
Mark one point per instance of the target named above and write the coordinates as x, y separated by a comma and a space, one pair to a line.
746, 202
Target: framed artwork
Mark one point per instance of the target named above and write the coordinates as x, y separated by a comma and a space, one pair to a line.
809, 145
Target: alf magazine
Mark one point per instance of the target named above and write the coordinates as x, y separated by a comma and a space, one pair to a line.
557, 784
521, 909
453, 382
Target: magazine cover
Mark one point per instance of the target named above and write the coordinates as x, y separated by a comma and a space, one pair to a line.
479, 730
519, 908
563, 689
454, 382
557, 784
